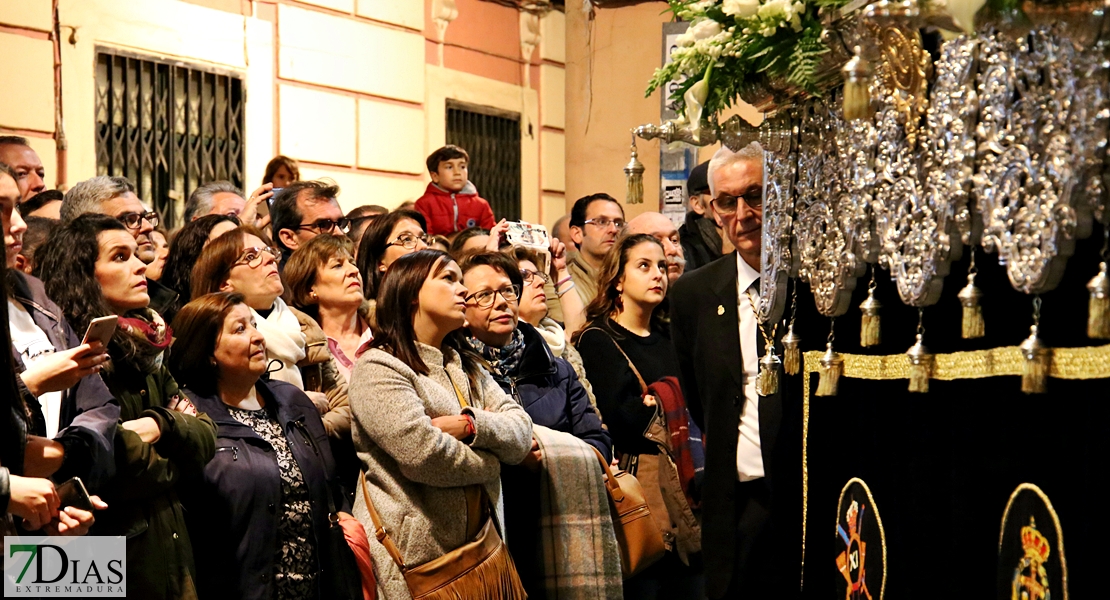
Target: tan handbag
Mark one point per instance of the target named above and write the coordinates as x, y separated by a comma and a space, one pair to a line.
480, 569
638, 535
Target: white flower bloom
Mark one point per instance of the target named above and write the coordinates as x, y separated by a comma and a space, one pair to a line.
775, 9
704, 29
741, 9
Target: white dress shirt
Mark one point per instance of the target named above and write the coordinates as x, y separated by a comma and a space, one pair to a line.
749, 455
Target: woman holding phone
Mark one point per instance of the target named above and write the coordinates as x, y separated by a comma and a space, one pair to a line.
92, 270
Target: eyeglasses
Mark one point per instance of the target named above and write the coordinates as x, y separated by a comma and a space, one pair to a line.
409, 240
726, 204
253, 257
485, 298
328, 225
135, 220
530, 276
604, 222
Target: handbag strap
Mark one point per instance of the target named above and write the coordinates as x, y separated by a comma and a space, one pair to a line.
615, 491
379, 529
635, 371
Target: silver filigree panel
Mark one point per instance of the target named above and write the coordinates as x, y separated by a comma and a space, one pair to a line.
779, 168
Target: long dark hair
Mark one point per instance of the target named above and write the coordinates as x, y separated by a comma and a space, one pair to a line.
607, 301
398, 301
373, 246
11, 402
184, 252
67, 262
196, 330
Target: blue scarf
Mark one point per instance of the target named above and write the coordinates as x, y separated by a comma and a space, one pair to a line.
504, 361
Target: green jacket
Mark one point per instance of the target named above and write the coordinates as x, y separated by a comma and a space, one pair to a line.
142, 502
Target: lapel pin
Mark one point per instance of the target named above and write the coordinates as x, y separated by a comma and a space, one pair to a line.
720, 309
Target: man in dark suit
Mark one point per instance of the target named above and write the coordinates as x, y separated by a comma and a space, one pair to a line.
717, 338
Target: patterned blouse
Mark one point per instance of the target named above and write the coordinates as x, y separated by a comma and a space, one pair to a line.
295, 578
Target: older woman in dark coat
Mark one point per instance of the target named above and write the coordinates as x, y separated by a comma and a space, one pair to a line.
263, 510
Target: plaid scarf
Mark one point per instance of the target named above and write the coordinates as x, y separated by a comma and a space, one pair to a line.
581, 558
504, 361
685, 437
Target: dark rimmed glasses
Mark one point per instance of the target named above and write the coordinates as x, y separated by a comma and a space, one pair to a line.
485, 298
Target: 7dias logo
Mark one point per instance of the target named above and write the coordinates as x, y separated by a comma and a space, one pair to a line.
49, 567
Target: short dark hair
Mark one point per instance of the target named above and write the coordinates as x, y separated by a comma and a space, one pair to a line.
366, 210
461, 238
13, 140
216, 260
196, 329
284, 212
38, 229
397, 306
374, 243
581, 205
278, 162
498, 261
185, 249
39, 200
444, 154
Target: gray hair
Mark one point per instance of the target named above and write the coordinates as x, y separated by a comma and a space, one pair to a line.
88, 195
200, 201
725, 157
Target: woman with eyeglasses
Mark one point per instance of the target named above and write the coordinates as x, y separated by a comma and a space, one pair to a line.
388, 238
240, 261
91, 269
429, 422
185, 248
522, 364
626, 348
534, 306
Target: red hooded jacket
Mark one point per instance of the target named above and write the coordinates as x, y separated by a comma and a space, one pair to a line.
449, 213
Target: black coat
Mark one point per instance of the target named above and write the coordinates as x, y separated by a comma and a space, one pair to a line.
550, 393
705, 332
234, 512
701, 245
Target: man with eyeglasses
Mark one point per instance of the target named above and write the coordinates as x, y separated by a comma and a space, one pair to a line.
115, 197
595, 222
304, 210
749, 464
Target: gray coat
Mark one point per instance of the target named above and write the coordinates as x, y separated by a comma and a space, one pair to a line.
415, 473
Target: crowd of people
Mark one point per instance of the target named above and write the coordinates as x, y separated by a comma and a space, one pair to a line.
302, 403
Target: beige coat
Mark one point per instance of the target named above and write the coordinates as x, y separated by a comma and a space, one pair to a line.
321, 374
415, 473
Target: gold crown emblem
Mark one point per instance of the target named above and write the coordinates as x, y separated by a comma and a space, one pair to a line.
1036, 545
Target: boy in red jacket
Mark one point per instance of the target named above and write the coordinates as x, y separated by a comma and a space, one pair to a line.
451, 203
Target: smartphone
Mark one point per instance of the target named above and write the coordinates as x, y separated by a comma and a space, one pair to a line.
102, 329
73, 493
528, 235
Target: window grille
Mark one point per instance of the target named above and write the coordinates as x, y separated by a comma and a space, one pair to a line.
492, 138
168, 127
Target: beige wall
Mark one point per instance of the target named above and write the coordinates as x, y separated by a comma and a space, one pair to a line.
351, 88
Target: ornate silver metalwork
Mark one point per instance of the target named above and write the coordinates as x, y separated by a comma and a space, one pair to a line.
779, 170
825, 216
1027, 159
1087, 125
917, 209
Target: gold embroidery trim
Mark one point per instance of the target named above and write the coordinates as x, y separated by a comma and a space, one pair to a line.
1067, 363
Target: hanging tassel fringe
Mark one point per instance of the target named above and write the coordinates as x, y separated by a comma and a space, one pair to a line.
767, 383
921, 366
973, 325
792, 352
1098, 310
1034, 372
832, 367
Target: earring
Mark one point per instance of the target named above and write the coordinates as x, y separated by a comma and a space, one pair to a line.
313, 294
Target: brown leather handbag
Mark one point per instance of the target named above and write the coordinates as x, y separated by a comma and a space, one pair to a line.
480, 569
638, 535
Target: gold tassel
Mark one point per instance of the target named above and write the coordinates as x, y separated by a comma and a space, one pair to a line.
857, 88
832, 367
1034, 372
792, 352
767, 383
870, 333
973, 325
634, 173
1098, 310
921, 366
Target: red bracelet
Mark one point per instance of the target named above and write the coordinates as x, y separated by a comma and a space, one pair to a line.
471, 429
562, 281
